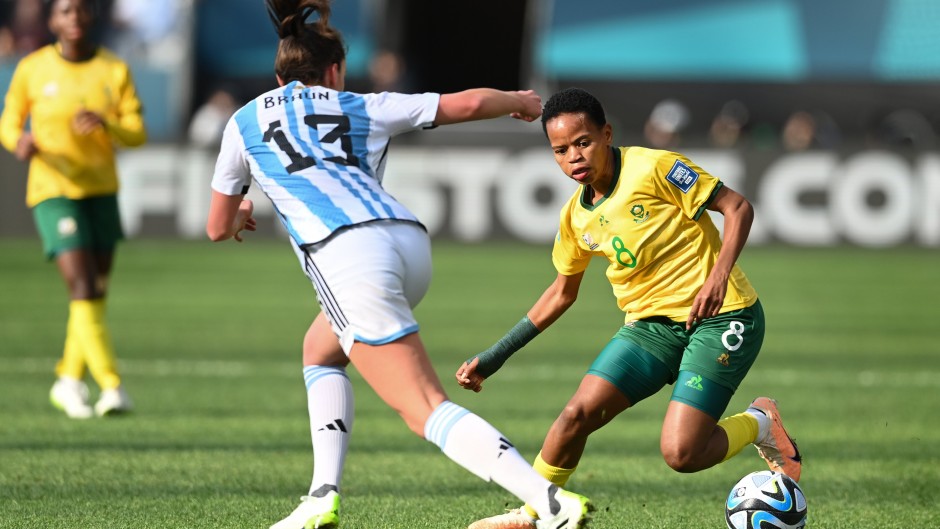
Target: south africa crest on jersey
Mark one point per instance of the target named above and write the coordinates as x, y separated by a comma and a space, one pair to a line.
639, 213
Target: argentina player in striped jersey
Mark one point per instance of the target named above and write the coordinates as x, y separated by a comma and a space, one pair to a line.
319, 153
288, 129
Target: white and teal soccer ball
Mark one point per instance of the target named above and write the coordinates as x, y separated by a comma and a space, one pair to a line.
766, 500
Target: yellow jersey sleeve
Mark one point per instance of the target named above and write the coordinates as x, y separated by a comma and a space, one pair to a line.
15, 108
126, 124
568, 256
685, 184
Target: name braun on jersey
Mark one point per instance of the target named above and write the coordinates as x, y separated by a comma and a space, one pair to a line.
306, 94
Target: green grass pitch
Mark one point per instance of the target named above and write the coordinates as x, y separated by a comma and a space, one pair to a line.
208, 338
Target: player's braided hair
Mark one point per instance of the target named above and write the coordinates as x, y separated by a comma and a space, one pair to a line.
573, 101
306, 49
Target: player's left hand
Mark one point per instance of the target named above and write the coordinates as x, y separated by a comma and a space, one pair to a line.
244, 220
709, 300
86, 121
467, 376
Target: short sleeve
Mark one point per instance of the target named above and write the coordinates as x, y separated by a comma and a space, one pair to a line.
399, 113
685, 184
567, 256
232, 175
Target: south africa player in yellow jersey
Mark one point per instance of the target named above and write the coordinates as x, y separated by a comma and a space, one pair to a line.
692, 318
79, 101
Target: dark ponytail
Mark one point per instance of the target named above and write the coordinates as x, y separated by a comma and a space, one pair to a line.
306, 49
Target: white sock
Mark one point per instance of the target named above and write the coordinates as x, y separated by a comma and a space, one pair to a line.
763, 423
330, 405
480, 448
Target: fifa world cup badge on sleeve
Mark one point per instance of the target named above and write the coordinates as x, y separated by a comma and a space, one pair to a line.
682, 176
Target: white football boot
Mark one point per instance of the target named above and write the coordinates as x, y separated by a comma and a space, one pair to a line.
569, 510
113, 402
313, 513
71, 396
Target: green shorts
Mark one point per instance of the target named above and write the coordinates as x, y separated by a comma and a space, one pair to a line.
709, 361
90, 223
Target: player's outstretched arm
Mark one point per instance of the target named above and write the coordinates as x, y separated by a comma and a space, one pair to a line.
487, 103
556, 299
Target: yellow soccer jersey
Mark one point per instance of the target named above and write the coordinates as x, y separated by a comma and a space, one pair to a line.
49, 91
653, 230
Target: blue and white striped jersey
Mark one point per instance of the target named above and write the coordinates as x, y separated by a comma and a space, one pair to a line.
319, 154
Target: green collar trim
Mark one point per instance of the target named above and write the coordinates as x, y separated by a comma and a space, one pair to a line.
585, 199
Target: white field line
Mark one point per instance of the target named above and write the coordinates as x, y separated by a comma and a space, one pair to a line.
167, 368
203, 368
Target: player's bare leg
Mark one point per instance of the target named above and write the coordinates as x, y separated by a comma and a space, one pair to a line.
401, 374
79, 269
594, 404
691, 439
321, 346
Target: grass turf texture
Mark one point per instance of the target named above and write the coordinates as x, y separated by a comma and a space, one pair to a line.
208, 338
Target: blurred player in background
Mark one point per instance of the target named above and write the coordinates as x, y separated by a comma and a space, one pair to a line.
692, 317
80, 101
319, 154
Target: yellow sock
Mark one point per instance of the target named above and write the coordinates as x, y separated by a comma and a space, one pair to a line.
91, 331
557, 475
72, 363
741, 429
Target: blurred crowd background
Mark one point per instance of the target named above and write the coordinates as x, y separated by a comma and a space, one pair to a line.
769, 76
791, 73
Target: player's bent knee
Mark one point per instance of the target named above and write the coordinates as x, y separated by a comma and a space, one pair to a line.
573, 420
681, 459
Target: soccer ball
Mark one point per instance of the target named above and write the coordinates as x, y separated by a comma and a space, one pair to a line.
766, 500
